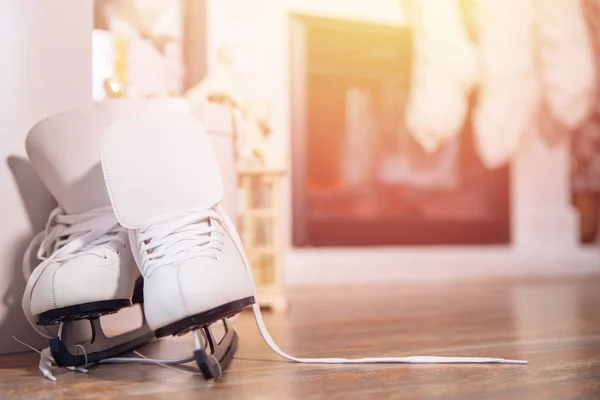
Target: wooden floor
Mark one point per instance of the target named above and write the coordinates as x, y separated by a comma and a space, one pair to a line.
554, 325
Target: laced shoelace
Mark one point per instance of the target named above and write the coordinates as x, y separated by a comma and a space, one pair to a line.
178, 236
64, 238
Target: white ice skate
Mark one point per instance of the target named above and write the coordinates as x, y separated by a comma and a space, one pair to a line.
165, 187
85, 267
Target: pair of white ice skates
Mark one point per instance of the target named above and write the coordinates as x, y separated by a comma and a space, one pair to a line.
163, 240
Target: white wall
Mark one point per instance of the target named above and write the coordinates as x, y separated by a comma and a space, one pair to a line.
45, 68
544, 224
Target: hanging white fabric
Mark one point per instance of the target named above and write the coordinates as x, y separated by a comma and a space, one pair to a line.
586, 140
591, 14
444, 70
509, 95
566, 61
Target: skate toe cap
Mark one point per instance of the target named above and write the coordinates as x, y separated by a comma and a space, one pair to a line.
196, 286
84, 279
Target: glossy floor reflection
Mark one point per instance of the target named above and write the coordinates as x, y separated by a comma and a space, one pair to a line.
555, 325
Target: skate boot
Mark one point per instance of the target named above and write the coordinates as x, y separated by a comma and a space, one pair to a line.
84, 267
165, 187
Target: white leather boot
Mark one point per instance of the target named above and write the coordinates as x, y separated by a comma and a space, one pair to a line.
84, 266
165, 187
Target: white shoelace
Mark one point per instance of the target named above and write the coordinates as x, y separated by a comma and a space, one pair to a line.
197, 233
178, 236
66, 237
175, 238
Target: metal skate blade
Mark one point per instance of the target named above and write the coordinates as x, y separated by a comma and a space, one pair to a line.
213, 355
68, 351
158, 163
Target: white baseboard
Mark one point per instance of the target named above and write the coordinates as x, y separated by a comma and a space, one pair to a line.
434, 264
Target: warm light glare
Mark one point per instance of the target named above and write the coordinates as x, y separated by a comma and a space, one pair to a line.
115, 87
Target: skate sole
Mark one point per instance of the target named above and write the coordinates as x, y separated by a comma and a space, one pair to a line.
90, 310
205, 318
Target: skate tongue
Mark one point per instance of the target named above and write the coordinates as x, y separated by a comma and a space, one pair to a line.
156, 164
63, 150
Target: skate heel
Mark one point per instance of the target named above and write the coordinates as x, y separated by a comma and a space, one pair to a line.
90, 310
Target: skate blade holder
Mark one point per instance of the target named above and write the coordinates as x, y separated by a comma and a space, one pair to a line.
214, 356
68, 353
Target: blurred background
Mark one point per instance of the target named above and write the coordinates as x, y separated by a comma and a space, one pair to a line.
375, 141
426, 140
